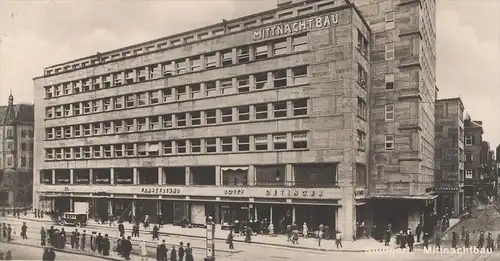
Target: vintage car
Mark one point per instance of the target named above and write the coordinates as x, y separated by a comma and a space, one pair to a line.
73, 219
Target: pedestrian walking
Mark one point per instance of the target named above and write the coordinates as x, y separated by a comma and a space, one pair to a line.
438, 241
480, 242
161, 251
467, 239
189, 252
490, 244
8, 255
43, 237
387, 237
410, 239
454, 240
77, 239
498, 241
425, 238
338, 239
127, 247
93, 245
83, 240
144, 251
230, 238
121, 229
24, 230
99, 240
155, 233
173, 254
248, 235
181, 252
105, 245
9, 232
320, 234
418, 231
305, 230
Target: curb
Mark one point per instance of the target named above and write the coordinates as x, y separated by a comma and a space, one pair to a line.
224, 240
65, 251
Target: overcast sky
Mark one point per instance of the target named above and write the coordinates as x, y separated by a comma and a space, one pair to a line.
36, 34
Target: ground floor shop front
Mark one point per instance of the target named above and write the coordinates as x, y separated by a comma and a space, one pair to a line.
195, 212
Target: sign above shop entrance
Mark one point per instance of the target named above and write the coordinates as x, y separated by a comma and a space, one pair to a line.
200, 191
296, 27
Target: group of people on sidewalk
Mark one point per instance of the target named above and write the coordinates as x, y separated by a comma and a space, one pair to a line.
483, 241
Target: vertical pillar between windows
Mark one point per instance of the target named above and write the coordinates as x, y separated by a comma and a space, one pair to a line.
147, 127
269, 84
188, 146
289, 108
218, 116
251, 53
251, 176
288, 44
174, 120
293, 214
251, 144
271, 213
269, 49
112, 175
71, 176
135, 124
174, 69
53, 177
146, 70
188, 65
91, 175
217, 88
288, 175
202, 62
289, 77
174, 148
188, 119
218, 147
187, 175
164, 176
202, 145
218, 176
234, 114
71, 108
217, 59
160, 176
135, 176
135, 149
234, 143
203, 117
251, 82
270, 142
270, 111
234, 56
133, 208
71, 207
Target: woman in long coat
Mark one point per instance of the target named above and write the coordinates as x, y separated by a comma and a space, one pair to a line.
173, 254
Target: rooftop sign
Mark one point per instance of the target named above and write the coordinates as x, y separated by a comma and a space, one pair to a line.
296, 27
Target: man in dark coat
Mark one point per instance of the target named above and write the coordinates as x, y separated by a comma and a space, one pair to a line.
105, 245
161, 251
24, 229
181, 251
84, 238
121, 229
99, 242
410, 239
418, 231
126, 248
73, 239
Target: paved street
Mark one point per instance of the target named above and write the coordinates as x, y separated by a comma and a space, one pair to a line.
35, 253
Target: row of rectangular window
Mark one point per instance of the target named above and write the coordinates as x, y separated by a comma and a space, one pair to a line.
241, 84
249, 143
188, 39
223, 58
245, 113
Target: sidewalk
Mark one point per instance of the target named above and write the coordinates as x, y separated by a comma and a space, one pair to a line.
361, 245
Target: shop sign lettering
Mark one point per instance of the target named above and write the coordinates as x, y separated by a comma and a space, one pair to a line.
82, 180
123, 180
294, 193
102, 180
360, 193
63, 180
161, 190
234, 192
295, 27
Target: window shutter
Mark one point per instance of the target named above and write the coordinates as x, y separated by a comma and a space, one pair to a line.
473, 138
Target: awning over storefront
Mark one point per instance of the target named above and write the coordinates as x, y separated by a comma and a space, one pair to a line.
427, 196
234, 168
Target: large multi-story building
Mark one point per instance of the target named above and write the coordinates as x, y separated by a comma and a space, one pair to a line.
473, 164
16, 154
450, 155
403, 93
264, 116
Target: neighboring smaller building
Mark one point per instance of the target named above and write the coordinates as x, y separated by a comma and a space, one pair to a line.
473, 169
16, 154
449, 151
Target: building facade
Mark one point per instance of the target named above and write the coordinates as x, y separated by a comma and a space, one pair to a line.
402, 103
403, 94
450, 154
473, 163
261, 117
16, 154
